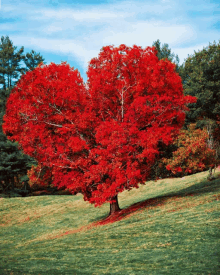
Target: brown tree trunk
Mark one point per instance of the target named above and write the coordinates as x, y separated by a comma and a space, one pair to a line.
114, 206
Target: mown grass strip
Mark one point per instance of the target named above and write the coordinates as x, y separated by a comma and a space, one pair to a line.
166, 227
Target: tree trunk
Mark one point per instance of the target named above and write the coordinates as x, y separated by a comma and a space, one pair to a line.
211, 174
114, 206
12, 183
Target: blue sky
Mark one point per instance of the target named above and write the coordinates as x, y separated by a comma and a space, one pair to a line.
75, 31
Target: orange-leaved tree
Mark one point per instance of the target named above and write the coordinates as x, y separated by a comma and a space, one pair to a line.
40, 177
193, 153
103, 138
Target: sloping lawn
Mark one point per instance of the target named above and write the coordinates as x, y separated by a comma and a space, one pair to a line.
166, 227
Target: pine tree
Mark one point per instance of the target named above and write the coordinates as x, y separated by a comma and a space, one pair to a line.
13, 163
32, 60
201, 78
10, 59
164, 52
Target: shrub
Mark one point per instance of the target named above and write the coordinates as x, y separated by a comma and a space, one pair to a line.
193, 154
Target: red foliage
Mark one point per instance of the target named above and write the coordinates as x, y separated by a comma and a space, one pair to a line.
104, 139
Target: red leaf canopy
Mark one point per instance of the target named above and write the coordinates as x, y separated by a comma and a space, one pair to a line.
102, 139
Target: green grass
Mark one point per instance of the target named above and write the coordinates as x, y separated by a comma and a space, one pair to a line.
166, 227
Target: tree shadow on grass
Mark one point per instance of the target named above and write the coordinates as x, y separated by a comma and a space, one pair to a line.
197, 189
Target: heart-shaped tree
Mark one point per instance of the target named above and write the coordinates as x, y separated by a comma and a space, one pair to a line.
102, 138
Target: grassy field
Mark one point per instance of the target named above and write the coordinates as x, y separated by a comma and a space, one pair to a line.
166, 227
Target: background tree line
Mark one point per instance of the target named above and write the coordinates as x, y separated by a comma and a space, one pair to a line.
197, 147
194, 151
14, 164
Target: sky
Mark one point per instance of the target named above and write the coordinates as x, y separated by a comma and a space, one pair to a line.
75, 31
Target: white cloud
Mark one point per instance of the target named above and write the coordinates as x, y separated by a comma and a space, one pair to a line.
83, 48
78, 15
80, 32
6, 27
7, 8
118, 10
52, 29
69, 47
144, 33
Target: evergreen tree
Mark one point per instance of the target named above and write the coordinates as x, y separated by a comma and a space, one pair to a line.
201, 78
163, 52
13, 163
10, 59
32, 60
